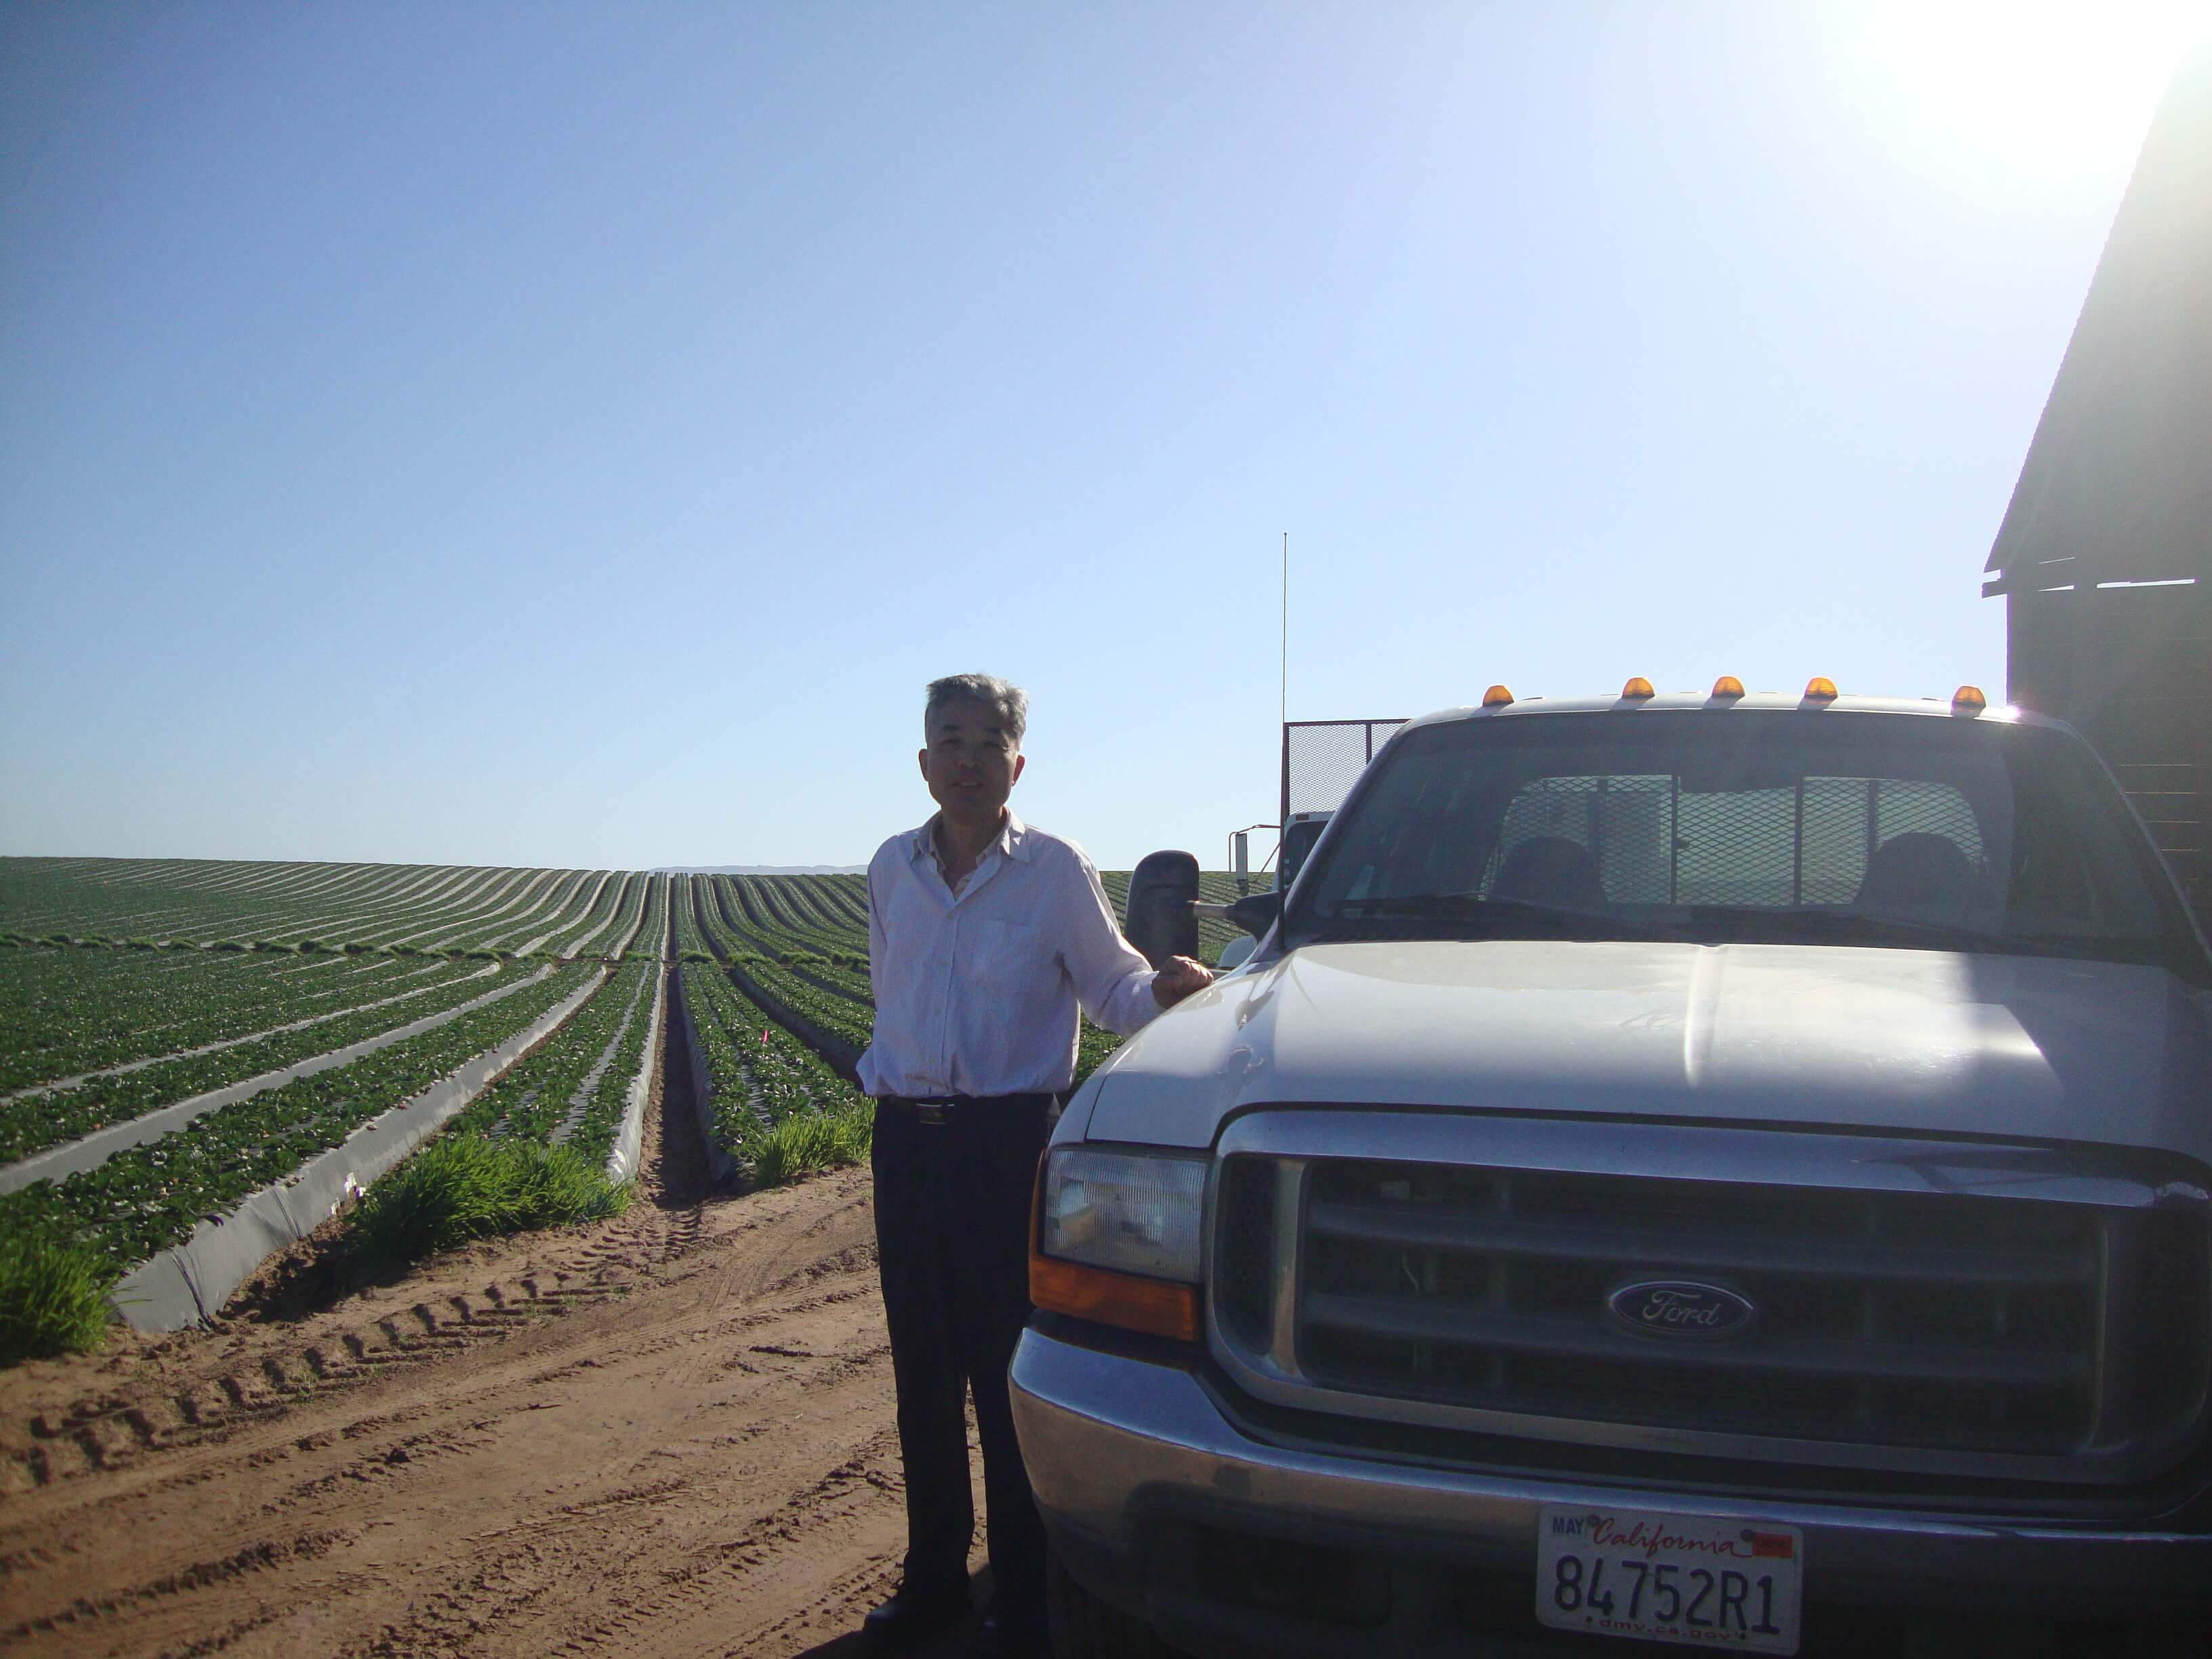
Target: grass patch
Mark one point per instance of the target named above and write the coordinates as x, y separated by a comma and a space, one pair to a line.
53, 1298
467, 1187
807, 1141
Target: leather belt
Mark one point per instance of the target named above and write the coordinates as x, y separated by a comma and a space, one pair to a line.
935, 1111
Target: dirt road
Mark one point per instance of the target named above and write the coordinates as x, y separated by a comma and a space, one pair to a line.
666, 1434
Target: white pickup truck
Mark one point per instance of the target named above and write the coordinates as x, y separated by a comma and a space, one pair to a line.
1718, 1170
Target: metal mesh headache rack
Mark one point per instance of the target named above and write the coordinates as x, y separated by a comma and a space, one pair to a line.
1322, 759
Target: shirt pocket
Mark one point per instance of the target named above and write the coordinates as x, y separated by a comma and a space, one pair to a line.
1009, 968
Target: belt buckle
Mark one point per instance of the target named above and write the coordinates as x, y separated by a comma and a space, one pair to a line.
929, 1112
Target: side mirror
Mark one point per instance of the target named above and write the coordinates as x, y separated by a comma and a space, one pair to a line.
1255, 913
1163, 907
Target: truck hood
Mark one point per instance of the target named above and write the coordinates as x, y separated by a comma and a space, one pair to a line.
1911, 1040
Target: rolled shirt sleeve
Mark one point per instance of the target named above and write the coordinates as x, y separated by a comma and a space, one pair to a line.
1112, 980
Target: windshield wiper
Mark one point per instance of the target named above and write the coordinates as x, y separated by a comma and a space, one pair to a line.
1473, 907
1857, 927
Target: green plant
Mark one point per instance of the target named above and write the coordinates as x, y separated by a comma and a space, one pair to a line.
144, 1198
808, 1142
74, 1013
53, 1298
467, 1187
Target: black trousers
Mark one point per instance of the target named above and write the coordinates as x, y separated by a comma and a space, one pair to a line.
953, 1214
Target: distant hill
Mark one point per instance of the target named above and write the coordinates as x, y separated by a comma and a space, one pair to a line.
763, 869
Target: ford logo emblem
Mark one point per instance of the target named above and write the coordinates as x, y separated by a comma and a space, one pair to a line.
1680, 1308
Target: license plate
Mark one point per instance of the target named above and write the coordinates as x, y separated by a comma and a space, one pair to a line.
1659, 1577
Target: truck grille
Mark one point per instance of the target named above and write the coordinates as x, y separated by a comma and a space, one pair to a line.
1908, 1319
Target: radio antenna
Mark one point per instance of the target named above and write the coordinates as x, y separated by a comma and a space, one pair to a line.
1286, 628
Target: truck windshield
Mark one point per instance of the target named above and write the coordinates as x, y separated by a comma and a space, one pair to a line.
1831, 827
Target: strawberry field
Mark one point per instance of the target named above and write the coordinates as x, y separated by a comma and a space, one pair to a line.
180, 1040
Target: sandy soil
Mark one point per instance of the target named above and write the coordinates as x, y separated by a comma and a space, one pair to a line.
668, 1434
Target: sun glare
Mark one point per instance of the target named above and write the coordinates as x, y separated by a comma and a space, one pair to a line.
2017, 72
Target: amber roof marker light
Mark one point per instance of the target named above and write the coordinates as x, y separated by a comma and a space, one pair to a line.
1728, 686
1497, 697
1637, 687
1968, 700
1820, 688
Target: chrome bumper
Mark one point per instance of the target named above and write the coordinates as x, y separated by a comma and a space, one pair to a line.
1115, 1446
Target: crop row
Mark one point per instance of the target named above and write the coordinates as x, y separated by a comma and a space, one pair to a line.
771, 905
842, 901
376, 912
649, 938
410, 911
124, 897
760, 1075
803, 982
842, 968
540, 896
428, 907
63, 1012
572, 1086
845, 1016
596, 1118
598, 925
437, 908
457, 912
512, 896
545, 910
149, 1197
30, 1123
690, 942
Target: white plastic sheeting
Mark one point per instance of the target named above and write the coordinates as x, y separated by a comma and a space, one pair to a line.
189, 1284
623, 1157
57, 1164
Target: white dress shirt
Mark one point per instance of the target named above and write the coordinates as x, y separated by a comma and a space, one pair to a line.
976, 990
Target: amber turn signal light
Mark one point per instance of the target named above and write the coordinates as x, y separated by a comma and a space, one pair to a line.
1497, 697
1639, 687
1151, 1305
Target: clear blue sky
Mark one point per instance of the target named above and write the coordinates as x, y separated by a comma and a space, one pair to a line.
573, 434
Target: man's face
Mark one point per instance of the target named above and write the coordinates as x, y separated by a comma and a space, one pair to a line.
970, 763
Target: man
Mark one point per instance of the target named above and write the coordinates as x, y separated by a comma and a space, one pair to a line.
984, 935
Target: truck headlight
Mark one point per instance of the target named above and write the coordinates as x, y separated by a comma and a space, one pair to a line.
1117, 1238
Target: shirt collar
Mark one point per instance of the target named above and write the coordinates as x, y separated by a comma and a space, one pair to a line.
1013, 838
